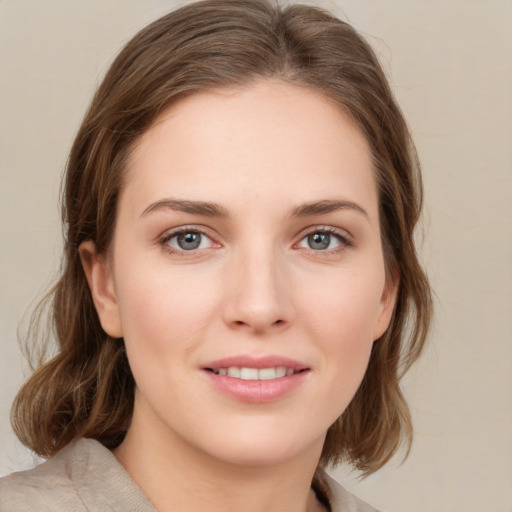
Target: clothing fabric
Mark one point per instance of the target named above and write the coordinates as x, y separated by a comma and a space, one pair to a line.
86, 477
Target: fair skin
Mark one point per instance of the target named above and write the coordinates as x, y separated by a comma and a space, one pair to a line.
247, 229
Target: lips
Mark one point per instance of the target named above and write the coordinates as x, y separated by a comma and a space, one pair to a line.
251, 379
245, 373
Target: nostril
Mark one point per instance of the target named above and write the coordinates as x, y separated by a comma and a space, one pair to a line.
241, 323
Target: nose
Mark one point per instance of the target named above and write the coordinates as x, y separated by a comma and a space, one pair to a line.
258, 294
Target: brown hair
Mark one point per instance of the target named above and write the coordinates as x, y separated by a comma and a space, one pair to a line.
87, 389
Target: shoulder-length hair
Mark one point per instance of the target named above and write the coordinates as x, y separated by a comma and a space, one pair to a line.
87, 389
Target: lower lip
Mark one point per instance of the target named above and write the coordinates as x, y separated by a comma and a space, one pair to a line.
256, 391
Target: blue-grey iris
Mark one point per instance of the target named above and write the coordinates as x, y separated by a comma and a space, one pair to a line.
189, 241
319, 241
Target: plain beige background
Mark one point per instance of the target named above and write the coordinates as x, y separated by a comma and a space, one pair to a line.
451, 67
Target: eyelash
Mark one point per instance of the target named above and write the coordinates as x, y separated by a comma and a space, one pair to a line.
164, 241
344, 240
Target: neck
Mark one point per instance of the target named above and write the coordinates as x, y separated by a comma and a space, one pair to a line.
177, 476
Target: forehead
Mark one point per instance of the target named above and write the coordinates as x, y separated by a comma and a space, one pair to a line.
268, 139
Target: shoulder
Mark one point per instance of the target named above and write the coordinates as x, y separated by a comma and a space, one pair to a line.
48, 485
341, 500
83, 476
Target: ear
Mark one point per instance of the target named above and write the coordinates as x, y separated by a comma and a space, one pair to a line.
387, 305
98, 271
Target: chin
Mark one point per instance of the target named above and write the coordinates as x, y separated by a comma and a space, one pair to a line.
255, 446
256, 456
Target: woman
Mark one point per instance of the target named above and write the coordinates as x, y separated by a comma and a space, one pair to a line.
239, 271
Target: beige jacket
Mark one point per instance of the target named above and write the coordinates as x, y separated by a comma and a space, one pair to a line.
86, 477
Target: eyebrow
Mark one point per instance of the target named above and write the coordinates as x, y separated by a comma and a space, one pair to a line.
326, 206
193, 207
215, 210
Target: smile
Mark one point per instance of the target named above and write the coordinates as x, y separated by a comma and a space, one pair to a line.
245, 373
256, 379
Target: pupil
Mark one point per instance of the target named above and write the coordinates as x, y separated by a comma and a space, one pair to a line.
319, 240
189, 241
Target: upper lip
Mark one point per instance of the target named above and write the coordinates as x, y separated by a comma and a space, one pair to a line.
247, 361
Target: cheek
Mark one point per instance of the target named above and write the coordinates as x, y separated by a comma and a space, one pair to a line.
346, 306
164, 318
163, 311
341, 318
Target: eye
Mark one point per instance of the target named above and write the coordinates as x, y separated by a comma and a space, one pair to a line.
187, 240
324, 240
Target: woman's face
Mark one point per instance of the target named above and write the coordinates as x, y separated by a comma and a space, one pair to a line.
246, 272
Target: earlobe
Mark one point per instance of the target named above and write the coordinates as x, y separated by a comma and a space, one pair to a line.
387, 306
101, 283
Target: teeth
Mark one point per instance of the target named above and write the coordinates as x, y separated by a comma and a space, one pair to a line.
281, 371
233, 371
255, 373
249, 373
267, 374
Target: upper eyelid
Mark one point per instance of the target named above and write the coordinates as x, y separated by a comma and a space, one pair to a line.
204, 230
345, 240
169, 233
326, 229
163, 240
